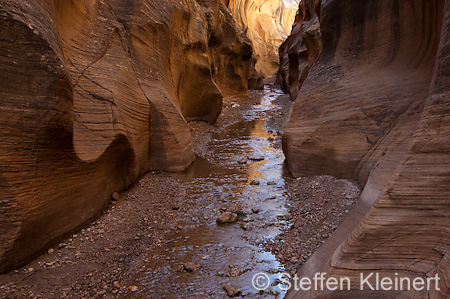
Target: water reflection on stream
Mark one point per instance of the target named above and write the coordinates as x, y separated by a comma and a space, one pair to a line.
229, 254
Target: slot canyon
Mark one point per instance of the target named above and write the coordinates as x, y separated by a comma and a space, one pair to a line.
225, 148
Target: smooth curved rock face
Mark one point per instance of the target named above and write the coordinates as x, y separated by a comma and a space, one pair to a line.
370, 72
95, 93
232, 55
267, 23
375, 108
300, 50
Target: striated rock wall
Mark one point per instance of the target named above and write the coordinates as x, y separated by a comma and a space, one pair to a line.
232, 55
94, 93
267, 23
375, 108
300, 50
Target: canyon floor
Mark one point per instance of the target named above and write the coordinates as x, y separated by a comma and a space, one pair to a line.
161, 239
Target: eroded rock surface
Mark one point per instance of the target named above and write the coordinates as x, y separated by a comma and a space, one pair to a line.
300, 50
95, 93
267, 23
374, 108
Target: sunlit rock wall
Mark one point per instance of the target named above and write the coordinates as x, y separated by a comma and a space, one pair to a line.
375, 108
94, 93
267, 23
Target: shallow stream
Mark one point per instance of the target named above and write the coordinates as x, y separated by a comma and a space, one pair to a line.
243, 172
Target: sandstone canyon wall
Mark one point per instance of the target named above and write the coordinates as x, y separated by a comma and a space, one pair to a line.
375, 108
93, 94
300, 50
267, 23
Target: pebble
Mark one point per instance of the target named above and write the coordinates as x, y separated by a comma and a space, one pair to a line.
271, 183
115, 196
227, 217
254, 182
231, 291
242, 161
191, 266
235, 273
133, 288
255, 210
116, 284
177, 268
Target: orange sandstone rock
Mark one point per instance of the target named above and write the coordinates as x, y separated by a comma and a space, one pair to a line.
95, 93
375, 108
300, 50
267, 23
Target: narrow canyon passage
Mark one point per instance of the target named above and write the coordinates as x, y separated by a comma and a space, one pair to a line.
190, 149
243, 171
161, 239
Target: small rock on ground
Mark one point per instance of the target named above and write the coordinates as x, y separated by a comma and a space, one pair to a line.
242, 161
191, 266
231, 291
115, 196
227, 217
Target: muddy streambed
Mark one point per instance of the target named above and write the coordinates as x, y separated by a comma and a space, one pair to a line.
242, 171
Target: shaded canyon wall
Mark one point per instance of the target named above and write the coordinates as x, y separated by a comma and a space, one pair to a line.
93, 94
375, 108
299, 51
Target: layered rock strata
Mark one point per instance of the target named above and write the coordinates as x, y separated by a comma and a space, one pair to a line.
267, 24
95, 93
375, 108
300, 50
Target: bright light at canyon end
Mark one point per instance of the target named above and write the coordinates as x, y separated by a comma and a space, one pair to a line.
267, 24
291, 4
